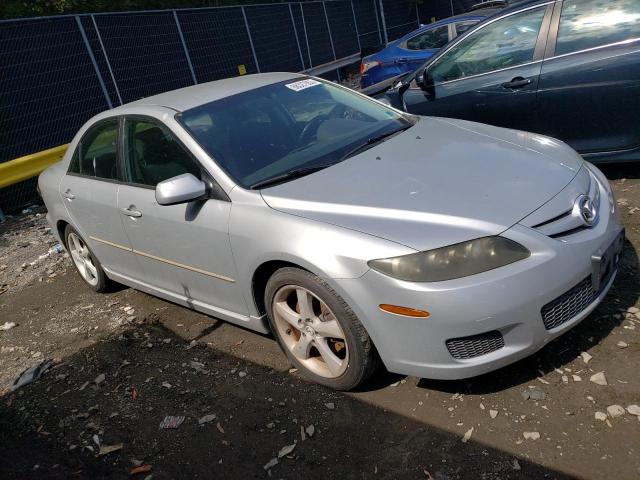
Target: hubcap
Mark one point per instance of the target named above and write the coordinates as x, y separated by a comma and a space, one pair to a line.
82, 259
310, 331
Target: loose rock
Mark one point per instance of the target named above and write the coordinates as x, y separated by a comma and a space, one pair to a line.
634, 410
599, 378
615, 411
601, 416
531, 435
586, 358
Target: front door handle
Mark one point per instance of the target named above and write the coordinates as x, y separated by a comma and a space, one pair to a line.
131, 212
402, 60
517, 82
68, 195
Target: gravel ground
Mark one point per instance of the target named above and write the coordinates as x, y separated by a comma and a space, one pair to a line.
123, 361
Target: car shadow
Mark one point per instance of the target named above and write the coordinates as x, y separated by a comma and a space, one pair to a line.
618, 171
592, 330
54, 427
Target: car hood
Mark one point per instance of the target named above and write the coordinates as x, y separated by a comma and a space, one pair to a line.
441, 182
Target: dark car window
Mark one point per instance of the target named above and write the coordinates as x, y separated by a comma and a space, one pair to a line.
593, 23
153, 154
97, 152
434, 38
507, 42
464, 26
299, 123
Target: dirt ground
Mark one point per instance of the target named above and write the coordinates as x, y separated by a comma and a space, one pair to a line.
123, 361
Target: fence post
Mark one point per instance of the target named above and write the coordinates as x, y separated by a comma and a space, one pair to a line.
384, 23
93, 61
184, 45
451, 3
295, 31
326, 17
253, 50
418, 15
355, 23
106, 58
304, 25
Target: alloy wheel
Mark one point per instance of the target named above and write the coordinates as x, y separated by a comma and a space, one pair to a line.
82, 259
310, 331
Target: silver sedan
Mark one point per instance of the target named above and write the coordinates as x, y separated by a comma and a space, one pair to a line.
351, 231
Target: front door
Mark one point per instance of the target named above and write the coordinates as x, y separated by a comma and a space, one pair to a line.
184, 249
89, 191
491, 76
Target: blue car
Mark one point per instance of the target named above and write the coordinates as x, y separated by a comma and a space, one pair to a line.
415, 48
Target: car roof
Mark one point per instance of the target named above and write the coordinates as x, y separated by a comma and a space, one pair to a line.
195, 95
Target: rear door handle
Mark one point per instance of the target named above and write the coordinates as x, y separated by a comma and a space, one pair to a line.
402, 60
517, 82
131, 212
68, 195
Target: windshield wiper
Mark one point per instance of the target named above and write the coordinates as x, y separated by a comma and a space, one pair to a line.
372, 141
290, 175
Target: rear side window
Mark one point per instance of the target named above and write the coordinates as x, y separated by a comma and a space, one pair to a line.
434, 38
592, 23
97, 152
153, 153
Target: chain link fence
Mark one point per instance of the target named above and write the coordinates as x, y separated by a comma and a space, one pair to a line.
57, 72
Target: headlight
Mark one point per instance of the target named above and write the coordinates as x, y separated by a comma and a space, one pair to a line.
455, 261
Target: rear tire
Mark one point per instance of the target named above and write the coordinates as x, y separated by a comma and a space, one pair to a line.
86, 263
320, 334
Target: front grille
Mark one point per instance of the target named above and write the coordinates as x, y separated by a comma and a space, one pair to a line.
569, 304
476, 345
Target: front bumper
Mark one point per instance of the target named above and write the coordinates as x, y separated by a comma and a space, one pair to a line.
501, 310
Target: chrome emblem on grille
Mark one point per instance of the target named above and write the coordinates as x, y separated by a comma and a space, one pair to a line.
586, 209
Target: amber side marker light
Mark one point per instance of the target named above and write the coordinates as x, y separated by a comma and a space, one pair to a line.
404, 311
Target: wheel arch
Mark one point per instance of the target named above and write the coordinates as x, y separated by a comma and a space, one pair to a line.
261, 276
61, 226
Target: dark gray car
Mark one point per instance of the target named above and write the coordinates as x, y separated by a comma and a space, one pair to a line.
569, 69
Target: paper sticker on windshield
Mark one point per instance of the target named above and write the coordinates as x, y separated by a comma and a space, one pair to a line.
302, 84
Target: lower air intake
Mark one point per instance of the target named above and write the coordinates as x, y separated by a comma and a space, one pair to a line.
475, 345
568, 305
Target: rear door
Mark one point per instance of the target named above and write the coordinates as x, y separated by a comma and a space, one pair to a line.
89, 191
590, 82
491, 75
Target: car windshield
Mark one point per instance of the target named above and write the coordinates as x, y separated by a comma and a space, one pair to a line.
297, 125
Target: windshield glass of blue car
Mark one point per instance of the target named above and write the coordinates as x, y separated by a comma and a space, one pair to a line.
288, 129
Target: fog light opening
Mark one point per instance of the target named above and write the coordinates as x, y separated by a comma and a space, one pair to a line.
404, 311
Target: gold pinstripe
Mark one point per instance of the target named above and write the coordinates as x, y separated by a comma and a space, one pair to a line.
164, 260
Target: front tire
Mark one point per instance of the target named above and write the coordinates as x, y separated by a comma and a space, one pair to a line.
86, 263
318, 331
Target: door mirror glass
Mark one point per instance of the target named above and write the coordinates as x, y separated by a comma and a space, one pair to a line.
181, 189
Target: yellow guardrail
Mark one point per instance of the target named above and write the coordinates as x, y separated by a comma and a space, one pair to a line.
29, 166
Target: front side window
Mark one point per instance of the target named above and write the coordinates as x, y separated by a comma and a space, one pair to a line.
434, 38
153, 154
592, 23
270, 131
97, 152
505, 43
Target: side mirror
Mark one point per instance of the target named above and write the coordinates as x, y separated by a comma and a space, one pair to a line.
425, 82
181, 189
